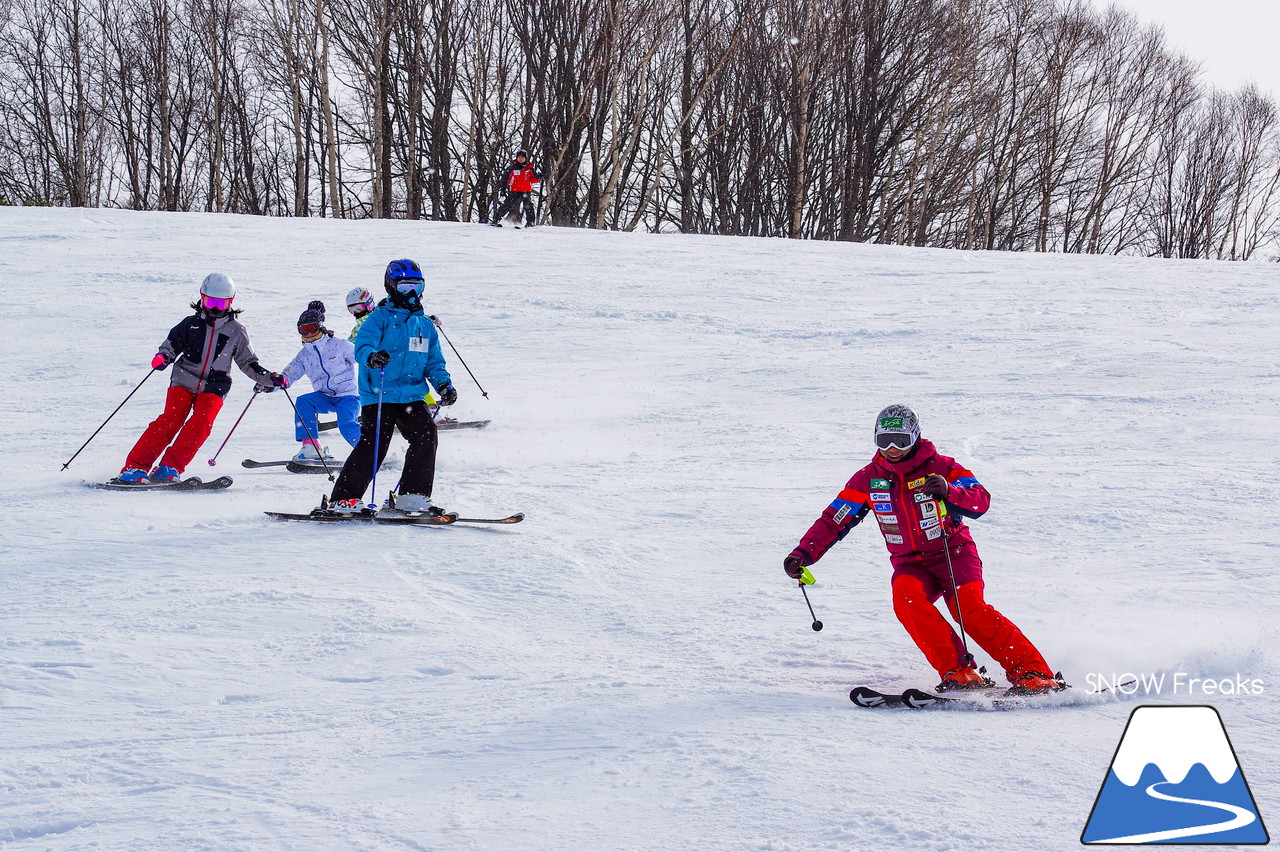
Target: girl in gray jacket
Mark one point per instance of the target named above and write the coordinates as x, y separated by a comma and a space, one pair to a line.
201, 348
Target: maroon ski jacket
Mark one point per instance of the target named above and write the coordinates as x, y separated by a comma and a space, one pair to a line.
908, 518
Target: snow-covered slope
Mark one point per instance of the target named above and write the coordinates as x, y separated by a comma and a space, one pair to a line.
628, 669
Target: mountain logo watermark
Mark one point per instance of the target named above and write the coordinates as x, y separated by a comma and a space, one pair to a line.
1175, 779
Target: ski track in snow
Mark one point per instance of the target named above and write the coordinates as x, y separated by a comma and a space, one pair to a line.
628, 669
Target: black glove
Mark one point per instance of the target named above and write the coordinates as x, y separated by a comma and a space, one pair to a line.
379, 359
448, 395
793, 566
279, 380
936, 486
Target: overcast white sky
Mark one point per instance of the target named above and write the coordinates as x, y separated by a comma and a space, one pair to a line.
1235, 40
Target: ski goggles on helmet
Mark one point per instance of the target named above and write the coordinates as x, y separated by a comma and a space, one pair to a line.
213, 303
894, 440
410, 286
310, 329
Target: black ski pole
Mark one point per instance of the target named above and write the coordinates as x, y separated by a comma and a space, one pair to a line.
316, 441
955, 591
378, 436
806, 579
464, 363
108, 420
256, 390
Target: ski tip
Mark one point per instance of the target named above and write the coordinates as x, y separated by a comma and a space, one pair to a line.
866, 697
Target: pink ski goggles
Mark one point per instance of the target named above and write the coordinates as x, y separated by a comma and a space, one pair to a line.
215, 304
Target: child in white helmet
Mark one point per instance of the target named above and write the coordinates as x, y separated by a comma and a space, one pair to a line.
202, 349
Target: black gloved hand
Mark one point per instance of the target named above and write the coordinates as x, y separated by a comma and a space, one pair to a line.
279, 380
936, 486
448, 395
793, 566
379, 359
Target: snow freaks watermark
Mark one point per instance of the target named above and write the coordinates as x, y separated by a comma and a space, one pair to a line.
1173, 683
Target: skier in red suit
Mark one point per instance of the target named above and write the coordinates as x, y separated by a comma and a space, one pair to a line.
517, 184
918, 497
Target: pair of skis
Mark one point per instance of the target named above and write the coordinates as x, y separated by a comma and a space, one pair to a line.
445, 424
985, 697
191, 483
918, 699
369, 516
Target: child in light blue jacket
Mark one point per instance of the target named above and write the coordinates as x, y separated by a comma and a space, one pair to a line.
329, 362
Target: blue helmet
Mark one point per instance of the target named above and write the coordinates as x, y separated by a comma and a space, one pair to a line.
404, 283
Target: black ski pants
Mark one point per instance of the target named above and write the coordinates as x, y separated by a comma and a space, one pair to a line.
413, 419
518, 201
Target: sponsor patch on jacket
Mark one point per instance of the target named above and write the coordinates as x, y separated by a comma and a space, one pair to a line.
879, 483
928, 510
933, 533
928, 523
419, 344
882, 507
887, 519
922, 498
880, 496
888, 528
842, 513
916, 483
893, 539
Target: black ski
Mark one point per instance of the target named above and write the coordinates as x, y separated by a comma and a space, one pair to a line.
446, 425
370, 516
312, 467
367, 516
193, 483
997, 698
297, 465
865, 696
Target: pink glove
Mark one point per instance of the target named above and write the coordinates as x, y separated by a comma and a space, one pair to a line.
160, 361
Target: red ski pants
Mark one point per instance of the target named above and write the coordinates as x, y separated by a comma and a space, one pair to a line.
994, 633
191, 433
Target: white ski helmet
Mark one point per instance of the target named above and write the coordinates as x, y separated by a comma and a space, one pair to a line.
359, 301
896, 426
218, 286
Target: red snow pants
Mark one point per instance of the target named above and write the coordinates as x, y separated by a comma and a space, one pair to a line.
191, 434
994, 633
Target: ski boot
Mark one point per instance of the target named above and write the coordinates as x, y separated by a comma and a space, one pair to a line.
965, 677
133, 476
164, 473
312, 452
338, 508
411, 504
1035, 683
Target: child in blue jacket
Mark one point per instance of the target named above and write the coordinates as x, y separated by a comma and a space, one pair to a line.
399, 353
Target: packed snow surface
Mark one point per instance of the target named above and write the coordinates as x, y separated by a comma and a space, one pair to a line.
628, 669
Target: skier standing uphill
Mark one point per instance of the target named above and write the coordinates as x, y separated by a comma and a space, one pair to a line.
399, 352
916, 495
201, 349
330, 363
517, 183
